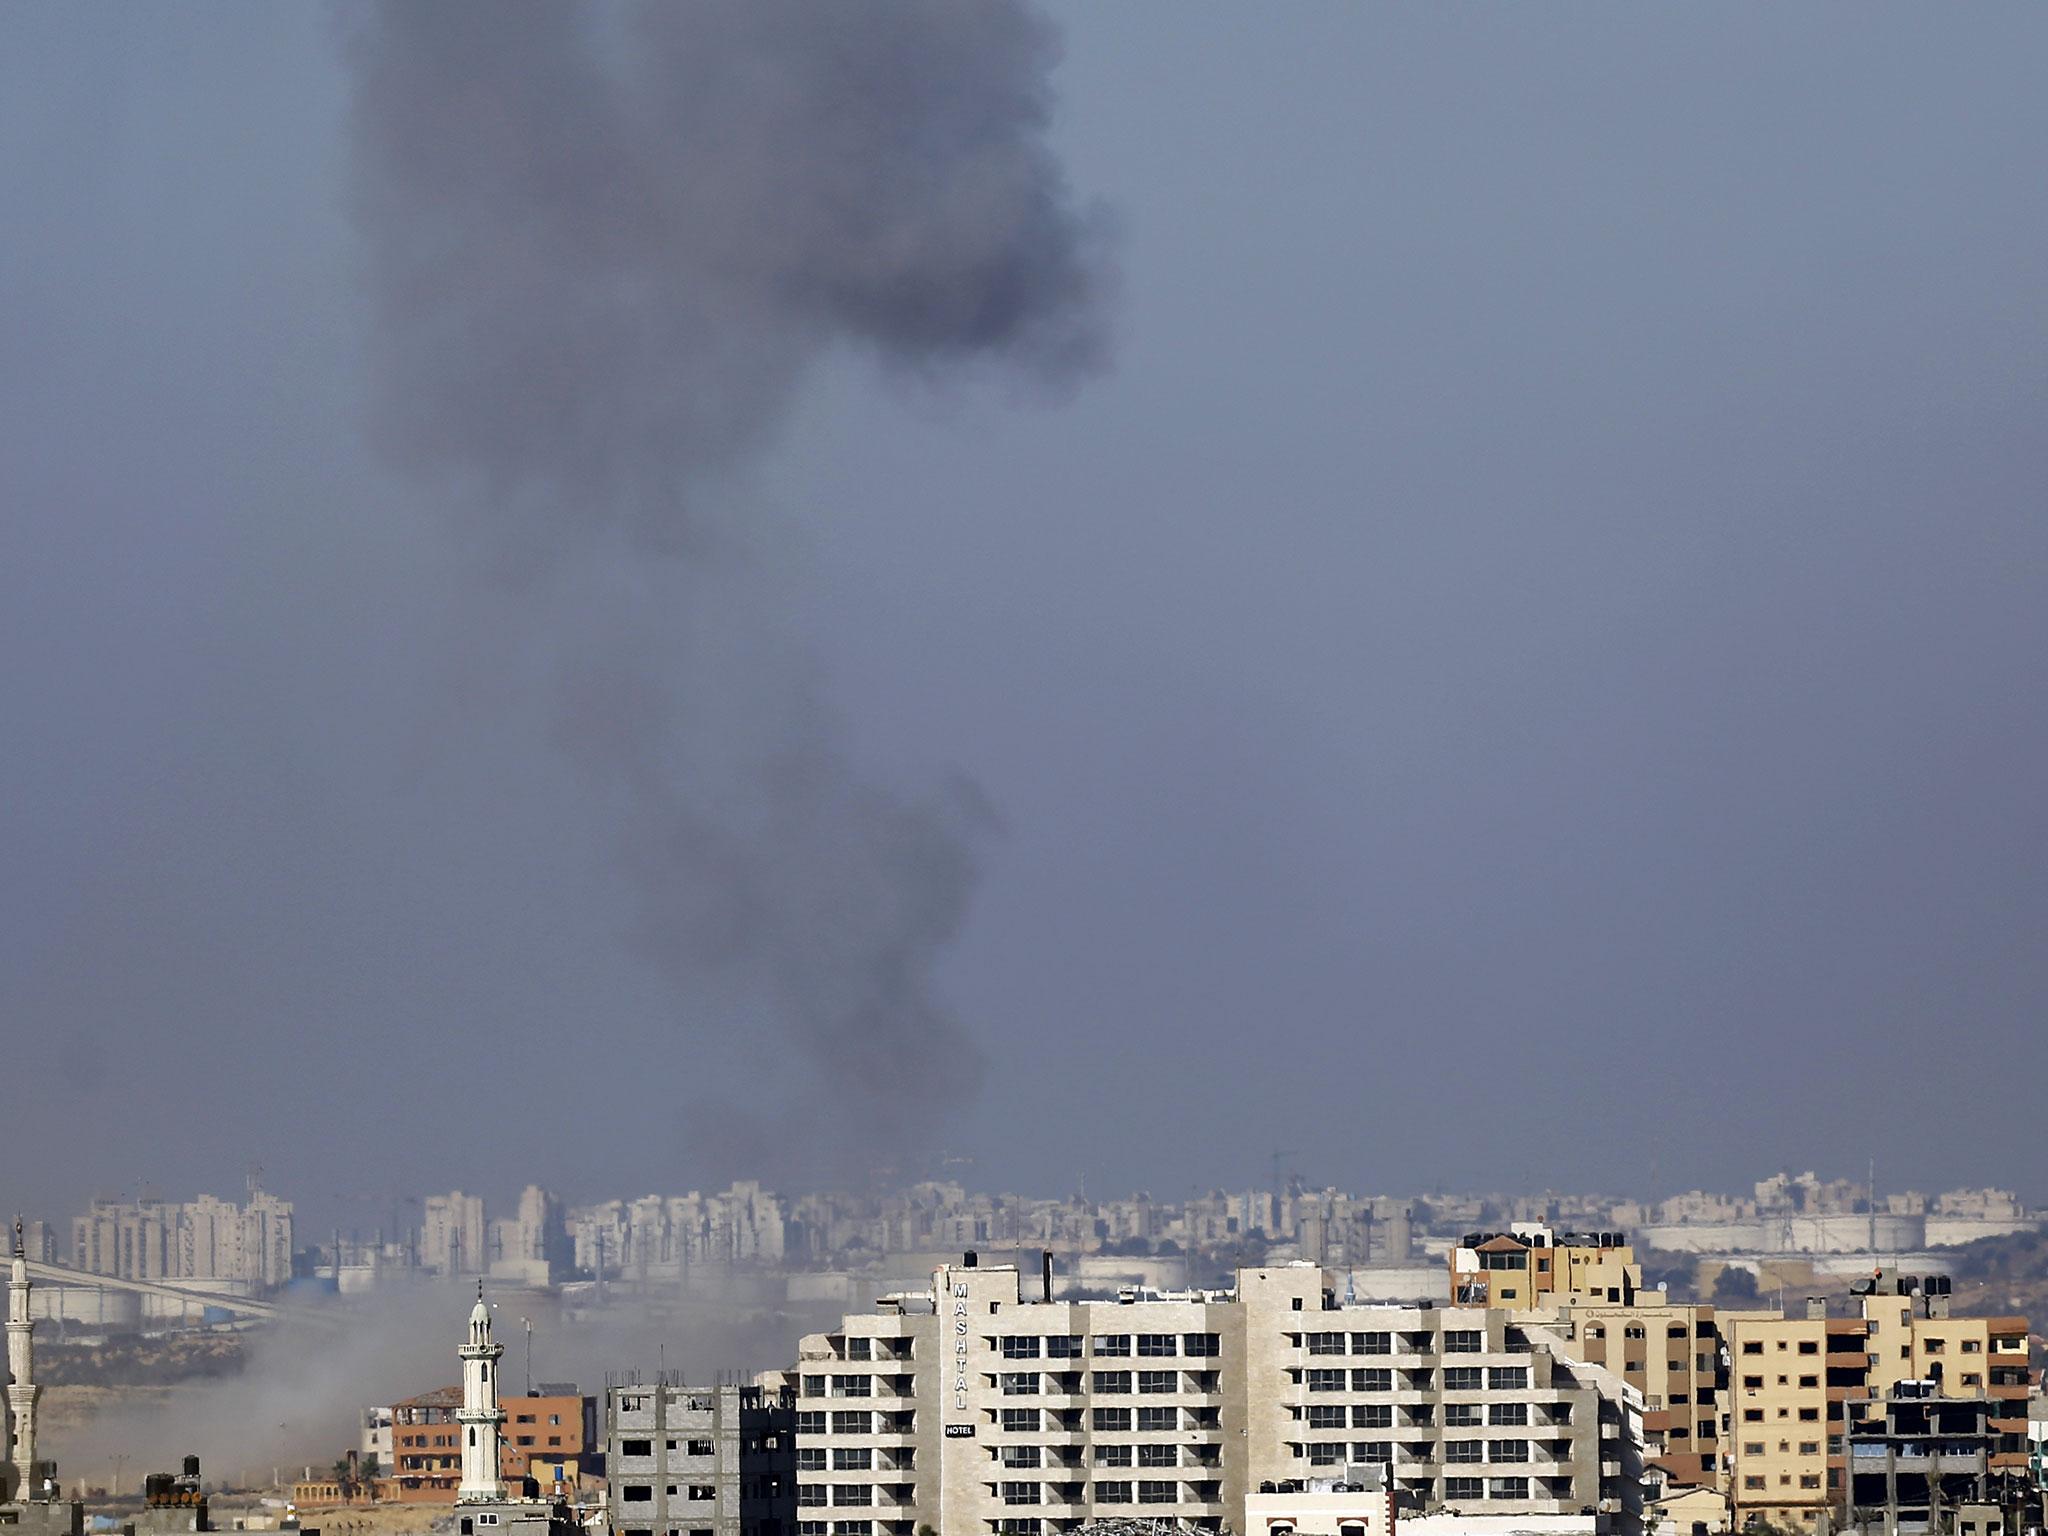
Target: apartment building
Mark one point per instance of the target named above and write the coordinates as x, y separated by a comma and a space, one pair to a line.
1912, 1337
1531, 1267
970, 1408
699, 1461
1670, 1353
1789, 1381
206, 1239
1799, 1387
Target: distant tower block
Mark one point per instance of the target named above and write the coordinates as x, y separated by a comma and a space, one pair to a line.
481, 1418
1400, 1236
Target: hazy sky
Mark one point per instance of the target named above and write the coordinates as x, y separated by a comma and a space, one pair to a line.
1526, 666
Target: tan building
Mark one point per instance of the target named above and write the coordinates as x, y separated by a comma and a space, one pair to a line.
1531, 1267
1788, 1379
1670, 1353
971, 1409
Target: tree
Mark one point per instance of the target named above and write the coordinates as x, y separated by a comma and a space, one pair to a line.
1734, 1284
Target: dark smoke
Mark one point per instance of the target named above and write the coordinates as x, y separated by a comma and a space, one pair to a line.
605, 244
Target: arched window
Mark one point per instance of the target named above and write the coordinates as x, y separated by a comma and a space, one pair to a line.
472, 1434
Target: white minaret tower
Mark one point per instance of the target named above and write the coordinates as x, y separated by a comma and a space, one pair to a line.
480, 1417
22, 1390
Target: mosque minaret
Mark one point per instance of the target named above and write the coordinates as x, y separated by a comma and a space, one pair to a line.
482, 1478
19, 1436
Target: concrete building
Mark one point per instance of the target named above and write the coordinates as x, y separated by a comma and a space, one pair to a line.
1532, 1267
1916, 1457
700, 1461
970, 1408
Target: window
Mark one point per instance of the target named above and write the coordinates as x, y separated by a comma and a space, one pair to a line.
1112, 1344
1462, 1378
636, 1447
1372, 1416
1157, 1455
1374, 1378
1371, 1343
860, 1349
1157, 1344
1752, 1415
1326, 1415
814, 1386
1112, 1455
852, 1459
1016, 1347
1752, 1482
1326, 1343
1325, 1453
1373, 1451
1462, 1450
1809, 1447
810, 1423
697, 1447
1020, 1383
1510, 1488
1463, 1341
810, 1493
1809, 1480
703, 1493
1020, 1493
1022, 1421
1324, 1381
1156, 1493
852, 1386
1508, 1378
1459, 1414
1808, 1347
1752, 1383
1201, 1345
1809, 1382
1463, 1488
1111, 1381
849, 1493
639, 1493
1113, 1493
1507, 1450
852, 1421
1507, 1413
1156, 1381
1112, 1418
810, 1458
1753, 1347
1019, 1456
1063, 1347
1157, 1419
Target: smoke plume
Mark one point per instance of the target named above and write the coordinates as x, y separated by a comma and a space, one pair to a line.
605, 244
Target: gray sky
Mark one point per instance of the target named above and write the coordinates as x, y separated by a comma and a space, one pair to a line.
1526, 668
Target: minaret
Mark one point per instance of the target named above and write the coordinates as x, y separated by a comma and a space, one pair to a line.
22, 1390
480, 1417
